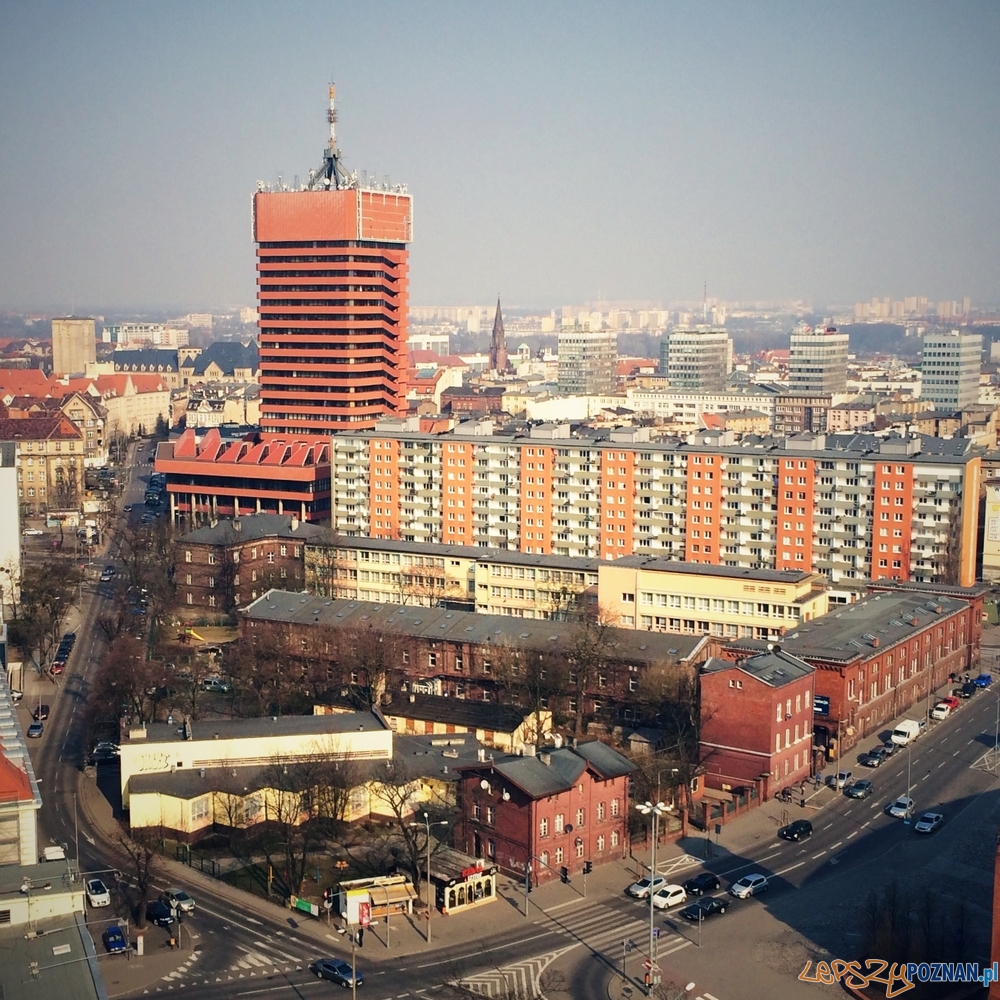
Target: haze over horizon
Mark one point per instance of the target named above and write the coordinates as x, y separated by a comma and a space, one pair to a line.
561, 154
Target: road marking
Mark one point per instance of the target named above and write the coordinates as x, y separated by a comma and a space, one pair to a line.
790, 868
956, 753
560, 906
874, 805
853, 833
970, 743
833, 847
942, 764
815, 856
827, 827
899, 774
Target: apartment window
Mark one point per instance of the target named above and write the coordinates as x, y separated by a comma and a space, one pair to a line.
614, 838
284, 550
600, 844
432, 659
543, 827
544, 859
211, 581
187, 556
190, 599
600, 812
270, 557
211, 559
560, 854
628, 598
579, 817
491, 815
559, 823
211, 600
477, 811
199, 809
579, 849
614, 807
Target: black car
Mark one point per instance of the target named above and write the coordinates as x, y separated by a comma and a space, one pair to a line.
890, 748
968, 690
700, 884
336, 970
798, 830
875, 757
159, 913
859, 789
702, 909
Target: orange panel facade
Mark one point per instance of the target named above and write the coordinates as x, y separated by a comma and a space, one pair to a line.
458, 500
333, 279
384, 488
796, 507
893, 520
537, 467
617, 503
704, 493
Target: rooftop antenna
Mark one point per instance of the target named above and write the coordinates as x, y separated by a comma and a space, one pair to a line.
331, 174
704, 304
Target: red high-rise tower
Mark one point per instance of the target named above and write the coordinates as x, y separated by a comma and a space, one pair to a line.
332, 290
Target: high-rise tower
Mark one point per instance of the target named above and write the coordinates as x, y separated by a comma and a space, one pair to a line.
499, 361
332, 290
818, 360
74, 345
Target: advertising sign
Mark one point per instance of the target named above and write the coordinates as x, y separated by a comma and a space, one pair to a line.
365, 914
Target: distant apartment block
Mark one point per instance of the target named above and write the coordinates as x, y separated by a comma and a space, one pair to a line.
696, 359
818, 361
950, 365
848, 507
74, 345
587, 361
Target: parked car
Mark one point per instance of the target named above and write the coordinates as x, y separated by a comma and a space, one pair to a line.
15, 695
983, 680
859, 789
705, 882
107, 573
644, 886
749, 885
216, 684
875, 757
940, 712
798, 830
127, 508
97, 893
702, 909
889, 747
178, 899
159, 913
928, 823
31, 532
114, 940
951, 701
967, 690
41, 713
336, 970
902, 808
35, 731
669, 895
840, 779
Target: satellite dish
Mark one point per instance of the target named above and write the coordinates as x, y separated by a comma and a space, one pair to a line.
484, 785
506, 795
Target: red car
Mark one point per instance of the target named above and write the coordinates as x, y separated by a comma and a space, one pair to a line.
951, 701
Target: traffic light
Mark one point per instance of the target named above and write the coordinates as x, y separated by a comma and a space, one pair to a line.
564, 874
588, 867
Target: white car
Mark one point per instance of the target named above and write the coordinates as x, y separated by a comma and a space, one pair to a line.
669, 895
97, 893
179, 899
940, 712
841, 779
749, 885
928, 823
32, 531
902, 808
642, 888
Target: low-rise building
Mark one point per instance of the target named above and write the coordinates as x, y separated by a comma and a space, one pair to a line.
662, 595
153, 360
51, 456
542, 815
756, 723
228, 563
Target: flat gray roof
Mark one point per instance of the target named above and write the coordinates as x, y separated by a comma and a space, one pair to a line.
699, 569
848, 633
71, 973
464, 626
282, 725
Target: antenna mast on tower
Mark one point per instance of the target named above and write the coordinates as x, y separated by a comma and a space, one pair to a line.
704, 304
331, 174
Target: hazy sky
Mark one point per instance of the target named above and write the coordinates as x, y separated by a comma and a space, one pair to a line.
556, 152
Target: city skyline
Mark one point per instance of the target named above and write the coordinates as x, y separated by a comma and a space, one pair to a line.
775, 153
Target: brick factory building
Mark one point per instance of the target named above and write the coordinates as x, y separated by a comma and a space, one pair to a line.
332, 283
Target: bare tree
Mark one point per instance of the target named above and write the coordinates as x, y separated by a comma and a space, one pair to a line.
590, 644
371, 660
529, 678
43, 596
140, 845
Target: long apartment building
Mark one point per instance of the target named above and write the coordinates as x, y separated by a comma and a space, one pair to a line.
636, 592
847, 506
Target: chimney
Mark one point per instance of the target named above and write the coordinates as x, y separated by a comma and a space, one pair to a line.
295, 523
237, 525
913, 622
875, 642
546, 759
529, 749
482, 754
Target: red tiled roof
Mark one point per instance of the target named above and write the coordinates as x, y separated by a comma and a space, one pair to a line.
38, 429
14, 783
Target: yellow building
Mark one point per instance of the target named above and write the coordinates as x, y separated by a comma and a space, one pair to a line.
74, 345
51, 456
491, 581
991, 536
665, 596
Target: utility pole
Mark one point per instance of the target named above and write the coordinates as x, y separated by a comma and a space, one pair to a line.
527, 883
427, 824
656, 811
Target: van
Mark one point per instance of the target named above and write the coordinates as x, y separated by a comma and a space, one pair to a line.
905, 732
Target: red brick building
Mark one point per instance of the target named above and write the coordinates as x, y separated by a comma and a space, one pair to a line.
553, 810
228, 563
880, 658
757, 722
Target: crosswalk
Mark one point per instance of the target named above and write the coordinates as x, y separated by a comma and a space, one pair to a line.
604, 929
265, 959
518, 981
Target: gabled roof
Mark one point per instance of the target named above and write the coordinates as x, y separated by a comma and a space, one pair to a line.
458, 712
227, 355
251, 528
146, 360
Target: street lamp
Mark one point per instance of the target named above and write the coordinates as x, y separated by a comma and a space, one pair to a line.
427, 824
657, 810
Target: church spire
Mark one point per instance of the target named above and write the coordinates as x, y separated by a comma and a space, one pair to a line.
499, 362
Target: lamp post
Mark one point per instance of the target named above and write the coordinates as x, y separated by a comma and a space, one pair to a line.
656, 811
427, 824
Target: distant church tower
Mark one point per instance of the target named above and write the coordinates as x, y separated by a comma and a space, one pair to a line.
499, 362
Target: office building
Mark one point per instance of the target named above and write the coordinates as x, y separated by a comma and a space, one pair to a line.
818, 360
699, 359
587, 361
950, 364
847, 506
333, 278
74, 345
